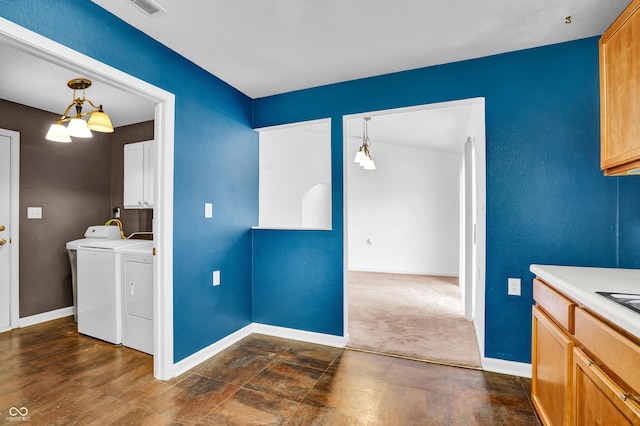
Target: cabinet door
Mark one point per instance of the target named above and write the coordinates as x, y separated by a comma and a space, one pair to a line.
597, 399
551, 367
620, 93
133, 195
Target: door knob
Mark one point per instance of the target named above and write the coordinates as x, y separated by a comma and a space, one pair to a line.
2, 241
2, 228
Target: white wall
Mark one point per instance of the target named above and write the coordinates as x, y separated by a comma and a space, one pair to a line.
408, 207
294, 159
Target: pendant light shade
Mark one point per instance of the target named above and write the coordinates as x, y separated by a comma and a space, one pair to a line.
369, 165
77, 128
99, 121
58, 133
360, 156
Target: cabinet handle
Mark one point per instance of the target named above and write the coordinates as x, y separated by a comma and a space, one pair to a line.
590, 363
623, 396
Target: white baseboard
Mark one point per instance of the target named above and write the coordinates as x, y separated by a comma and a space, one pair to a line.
46, 316
202, 355
303, 336
406, 272
502, 366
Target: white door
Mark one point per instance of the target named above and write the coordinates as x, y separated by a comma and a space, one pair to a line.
5, 229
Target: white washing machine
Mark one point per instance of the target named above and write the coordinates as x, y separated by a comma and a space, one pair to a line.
100, 288
92, 235
137, 297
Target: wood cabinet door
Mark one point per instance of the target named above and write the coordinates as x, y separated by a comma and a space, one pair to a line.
597, 400
620, 93
551, 367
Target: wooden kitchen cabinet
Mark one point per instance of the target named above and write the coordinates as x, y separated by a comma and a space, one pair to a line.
585, 371
139, 175
620, 94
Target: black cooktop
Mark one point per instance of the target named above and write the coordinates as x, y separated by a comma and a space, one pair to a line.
628, 300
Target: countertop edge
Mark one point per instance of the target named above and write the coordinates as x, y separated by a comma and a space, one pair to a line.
581, 283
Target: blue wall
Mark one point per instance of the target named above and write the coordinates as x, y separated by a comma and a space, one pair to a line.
547, 200
216, 160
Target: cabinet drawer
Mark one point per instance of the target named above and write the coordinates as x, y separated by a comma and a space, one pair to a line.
613, 350
555, 304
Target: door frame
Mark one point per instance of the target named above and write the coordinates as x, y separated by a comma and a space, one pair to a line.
14, 224
476, 132
51, 51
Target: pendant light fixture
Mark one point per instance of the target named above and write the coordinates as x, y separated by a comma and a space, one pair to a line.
363, 156
77, 127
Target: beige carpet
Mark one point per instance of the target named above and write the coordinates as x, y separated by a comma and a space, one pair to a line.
415, 316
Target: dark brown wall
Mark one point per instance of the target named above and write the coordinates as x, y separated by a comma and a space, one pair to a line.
72, 182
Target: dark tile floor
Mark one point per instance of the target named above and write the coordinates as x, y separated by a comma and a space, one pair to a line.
64, 378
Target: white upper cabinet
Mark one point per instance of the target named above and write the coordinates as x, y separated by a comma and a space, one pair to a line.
139, 175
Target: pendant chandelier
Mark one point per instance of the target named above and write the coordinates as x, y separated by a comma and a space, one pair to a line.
77, 127
363, 156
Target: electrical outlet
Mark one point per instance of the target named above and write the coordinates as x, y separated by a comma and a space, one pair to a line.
514, 287
216, 278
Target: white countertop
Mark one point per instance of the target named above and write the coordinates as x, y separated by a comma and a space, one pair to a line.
582, 283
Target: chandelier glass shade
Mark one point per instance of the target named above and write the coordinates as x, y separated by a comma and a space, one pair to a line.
99, 121
363, 156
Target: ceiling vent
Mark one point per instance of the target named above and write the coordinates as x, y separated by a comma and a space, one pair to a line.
148, 6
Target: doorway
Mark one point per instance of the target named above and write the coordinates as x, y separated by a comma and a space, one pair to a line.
427, 127
50, 52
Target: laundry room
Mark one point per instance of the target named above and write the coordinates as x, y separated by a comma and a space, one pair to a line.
64, 188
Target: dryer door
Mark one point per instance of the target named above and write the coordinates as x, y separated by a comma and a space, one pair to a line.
138, 289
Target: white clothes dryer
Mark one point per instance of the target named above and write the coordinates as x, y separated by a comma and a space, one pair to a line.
100, 288
137, 296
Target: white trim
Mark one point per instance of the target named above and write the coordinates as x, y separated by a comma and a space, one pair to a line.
405, 272
14, 224
163, 240
203, 355
46, 316
301, 335
502, 366
54, 52
479, 138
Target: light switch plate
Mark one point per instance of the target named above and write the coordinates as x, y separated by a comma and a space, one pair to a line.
216, 278
208, 210
34, 212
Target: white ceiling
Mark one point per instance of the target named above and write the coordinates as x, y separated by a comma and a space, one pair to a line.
265, 47
268, 47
